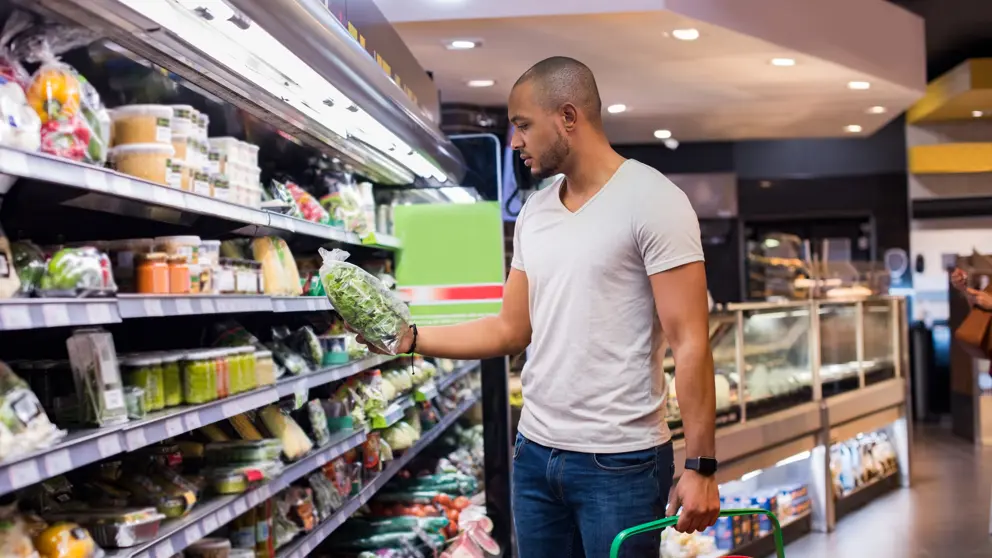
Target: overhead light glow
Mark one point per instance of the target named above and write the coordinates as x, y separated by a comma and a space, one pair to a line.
686, 34
852, 128
858, 85
794, 459
662, 134
877, 110
462, 44
977, 113
456, 194
751, 475
616, 109
481, 83
783, 62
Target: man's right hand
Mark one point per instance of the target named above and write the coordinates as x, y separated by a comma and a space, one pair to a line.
959, 280
404, 346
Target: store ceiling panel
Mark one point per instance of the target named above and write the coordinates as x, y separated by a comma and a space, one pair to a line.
720, 86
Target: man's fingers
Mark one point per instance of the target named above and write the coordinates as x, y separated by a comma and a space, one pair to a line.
674, 501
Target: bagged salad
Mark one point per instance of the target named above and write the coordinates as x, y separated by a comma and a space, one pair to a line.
364, 302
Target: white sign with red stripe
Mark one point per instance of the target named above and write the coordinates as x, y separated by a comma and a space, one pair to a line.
452, 294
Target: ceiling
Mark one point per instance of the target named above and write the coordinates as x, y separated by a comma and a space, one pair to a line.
719, 87
955, 31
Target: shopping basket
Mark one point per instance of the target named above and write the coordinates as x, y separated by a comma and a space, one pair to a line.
671, 521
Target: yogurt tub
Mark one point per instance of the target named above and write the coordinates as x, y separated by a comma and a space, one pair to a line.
140, 124
249, 154
202, 184
150, 161
181, 143
174, 178
231, 147
183, 120
202, 124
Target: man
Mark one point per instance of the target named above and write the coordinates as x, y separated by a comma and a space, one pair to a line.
607, 267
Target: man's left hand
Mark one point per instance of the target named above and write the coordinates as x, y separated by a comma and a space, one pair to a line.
699, 498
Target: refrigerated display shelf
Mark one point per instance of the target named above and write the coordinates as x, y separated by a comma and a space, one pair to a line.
425, 392
394, 413
97, 180
208, 516
461, 372
37, 313
863, 487
83, 447
306, 544
760, 540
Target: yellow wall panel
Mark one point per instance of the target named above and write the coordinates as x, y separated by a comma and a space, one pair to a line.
950, 158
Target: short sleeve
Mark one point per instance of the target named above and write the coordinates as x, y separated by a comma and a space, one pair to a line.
517, 262
666, 229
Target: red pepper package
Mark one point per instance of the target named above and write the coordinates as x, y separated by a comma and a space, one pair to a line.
309, 206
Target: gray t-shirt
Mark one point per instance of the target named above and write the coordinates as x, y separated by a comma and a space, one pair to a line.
594, 381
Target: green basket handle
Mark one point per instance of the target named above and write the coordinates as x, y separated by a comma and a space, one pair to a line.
671, 521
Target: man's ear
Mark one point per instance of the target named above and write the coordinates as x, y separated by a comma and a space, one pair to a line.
569, 116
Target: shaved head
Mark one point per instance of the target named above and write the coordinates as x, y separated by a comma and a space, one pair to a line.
559, 80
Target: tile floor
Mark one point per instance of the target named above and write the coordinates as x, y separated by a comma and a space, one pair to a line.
944, 515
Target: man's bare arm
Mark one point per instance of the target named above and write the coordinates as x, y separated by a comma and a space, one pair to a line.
683, 309
504, 334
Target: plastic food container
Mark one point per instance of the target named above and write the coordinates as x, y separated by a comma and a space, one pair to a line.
149, 161
335, 349
217, 160
238, 479
179, 278
265, 370
222, 188
134, 399
174, 174
209, 548
243, 451
117, 528
181, 144
183, 121
145, 371
122, 256
225, 280
230, 147
202, 125
142, 124
199, 377
251, 154
189, 248
151, 273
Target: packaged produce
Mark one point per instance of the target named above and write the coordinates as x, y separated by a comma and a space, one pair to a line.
305, 342
265, 373
209, 548
29, 263
123, 255
310, 208
134, 399
145, 372
10, 282
318, 422
152, 273
363, 302
78, 272
99, 389
202, 184
281, 276
294, 440
245, 428
116, 528
170, 500
11, 69
335, 349
221, 187
24, 426
239, 478
278, 192
66, 540
142, 124
20, 125
209, 260
243, 451
148, 161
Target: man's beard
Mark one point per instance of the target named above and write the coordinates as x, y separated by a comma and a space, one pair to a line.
552, 161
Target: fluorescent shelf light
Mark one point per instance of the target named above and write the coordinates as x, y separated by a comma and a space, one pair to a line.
462, 44
794, 459
686, 34
616, 109
877, 110
751, 475
977, 113
456, 194
852, 128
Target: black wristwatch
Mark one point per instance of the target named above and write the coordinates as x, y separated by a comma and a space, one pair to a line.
705, 466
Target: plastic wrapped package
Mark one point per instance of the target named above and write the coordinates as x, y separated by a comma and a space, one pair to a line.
78, 272
10, 283
309, 206
99, 389
29, 262
281, 276
363, 302
15, 540
279, 193
66, 540
24, 426
305, 342
294, 440
20, 126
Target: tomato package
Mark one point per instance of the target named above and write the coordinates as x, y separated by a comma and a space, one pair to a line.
309, 206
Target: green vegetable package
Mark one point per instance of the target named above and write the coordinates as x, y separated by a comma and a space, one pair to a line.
364, 302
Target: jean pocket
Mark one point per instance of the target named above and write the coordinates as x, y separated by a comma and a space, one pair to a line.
626, 462
518, 446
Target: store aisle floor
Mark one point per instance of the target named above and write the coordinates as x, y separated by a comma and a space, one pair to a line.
944, 515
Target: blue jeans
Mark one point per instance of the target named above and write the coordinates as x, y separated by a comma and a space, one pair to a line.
571, 505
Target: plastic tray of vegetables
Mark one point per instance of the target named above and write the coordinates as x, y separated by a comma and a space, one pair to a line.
364, 302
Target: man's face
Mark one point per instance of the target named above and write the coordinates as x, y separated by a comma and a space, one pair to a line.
538, 135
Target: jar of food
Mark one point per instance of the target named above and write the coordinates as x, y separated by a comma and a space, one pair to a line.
172, 377
202, 184
209, 257
199, 377
202, 124
231, 147
152, 273
179, 278
226, 280
222, 188
141, 124
174, 178
259, 277
247, 281
183, 120
222, 367
122, 257
217, 161
265, 369
148, 161
181, 144
145, 372
187, 246
249, 367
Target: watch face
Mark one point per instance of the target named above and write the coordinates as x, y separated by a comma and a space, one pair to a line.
705, 466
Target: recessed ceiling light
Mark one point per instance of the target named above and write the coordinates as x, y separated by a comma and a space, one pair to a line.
858, 85
686, 34
616, 109
877, 110
977, 113
662, 134
481, 83
852, 128
462, 44
784, 62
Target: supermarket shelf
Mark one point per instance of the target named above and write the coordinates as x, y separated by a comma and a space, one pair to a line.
170, 423
289, 386
761, 540
95, 180
458, 374
36, 313
301, 304
425, 392
394, 413
151, 306
305, 545
868, 485
76, 450
208, 516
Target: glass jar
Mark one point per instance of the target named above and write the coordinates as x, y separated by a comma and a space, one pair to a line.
152, 273
247, 282
222, 372
179, 278
259, 277
199, 377
145, 371
265, 369
172, 378
249, 366
226, 279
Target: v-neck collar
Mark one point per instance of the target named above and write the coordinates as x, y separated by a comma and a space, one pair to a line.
561, 184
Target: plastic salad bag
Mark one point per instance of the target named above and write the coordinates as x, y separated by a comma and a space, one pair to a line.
364, 302
24, 426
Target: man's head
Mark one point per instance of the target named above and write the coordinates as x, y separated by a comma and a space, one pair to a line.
553, 103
